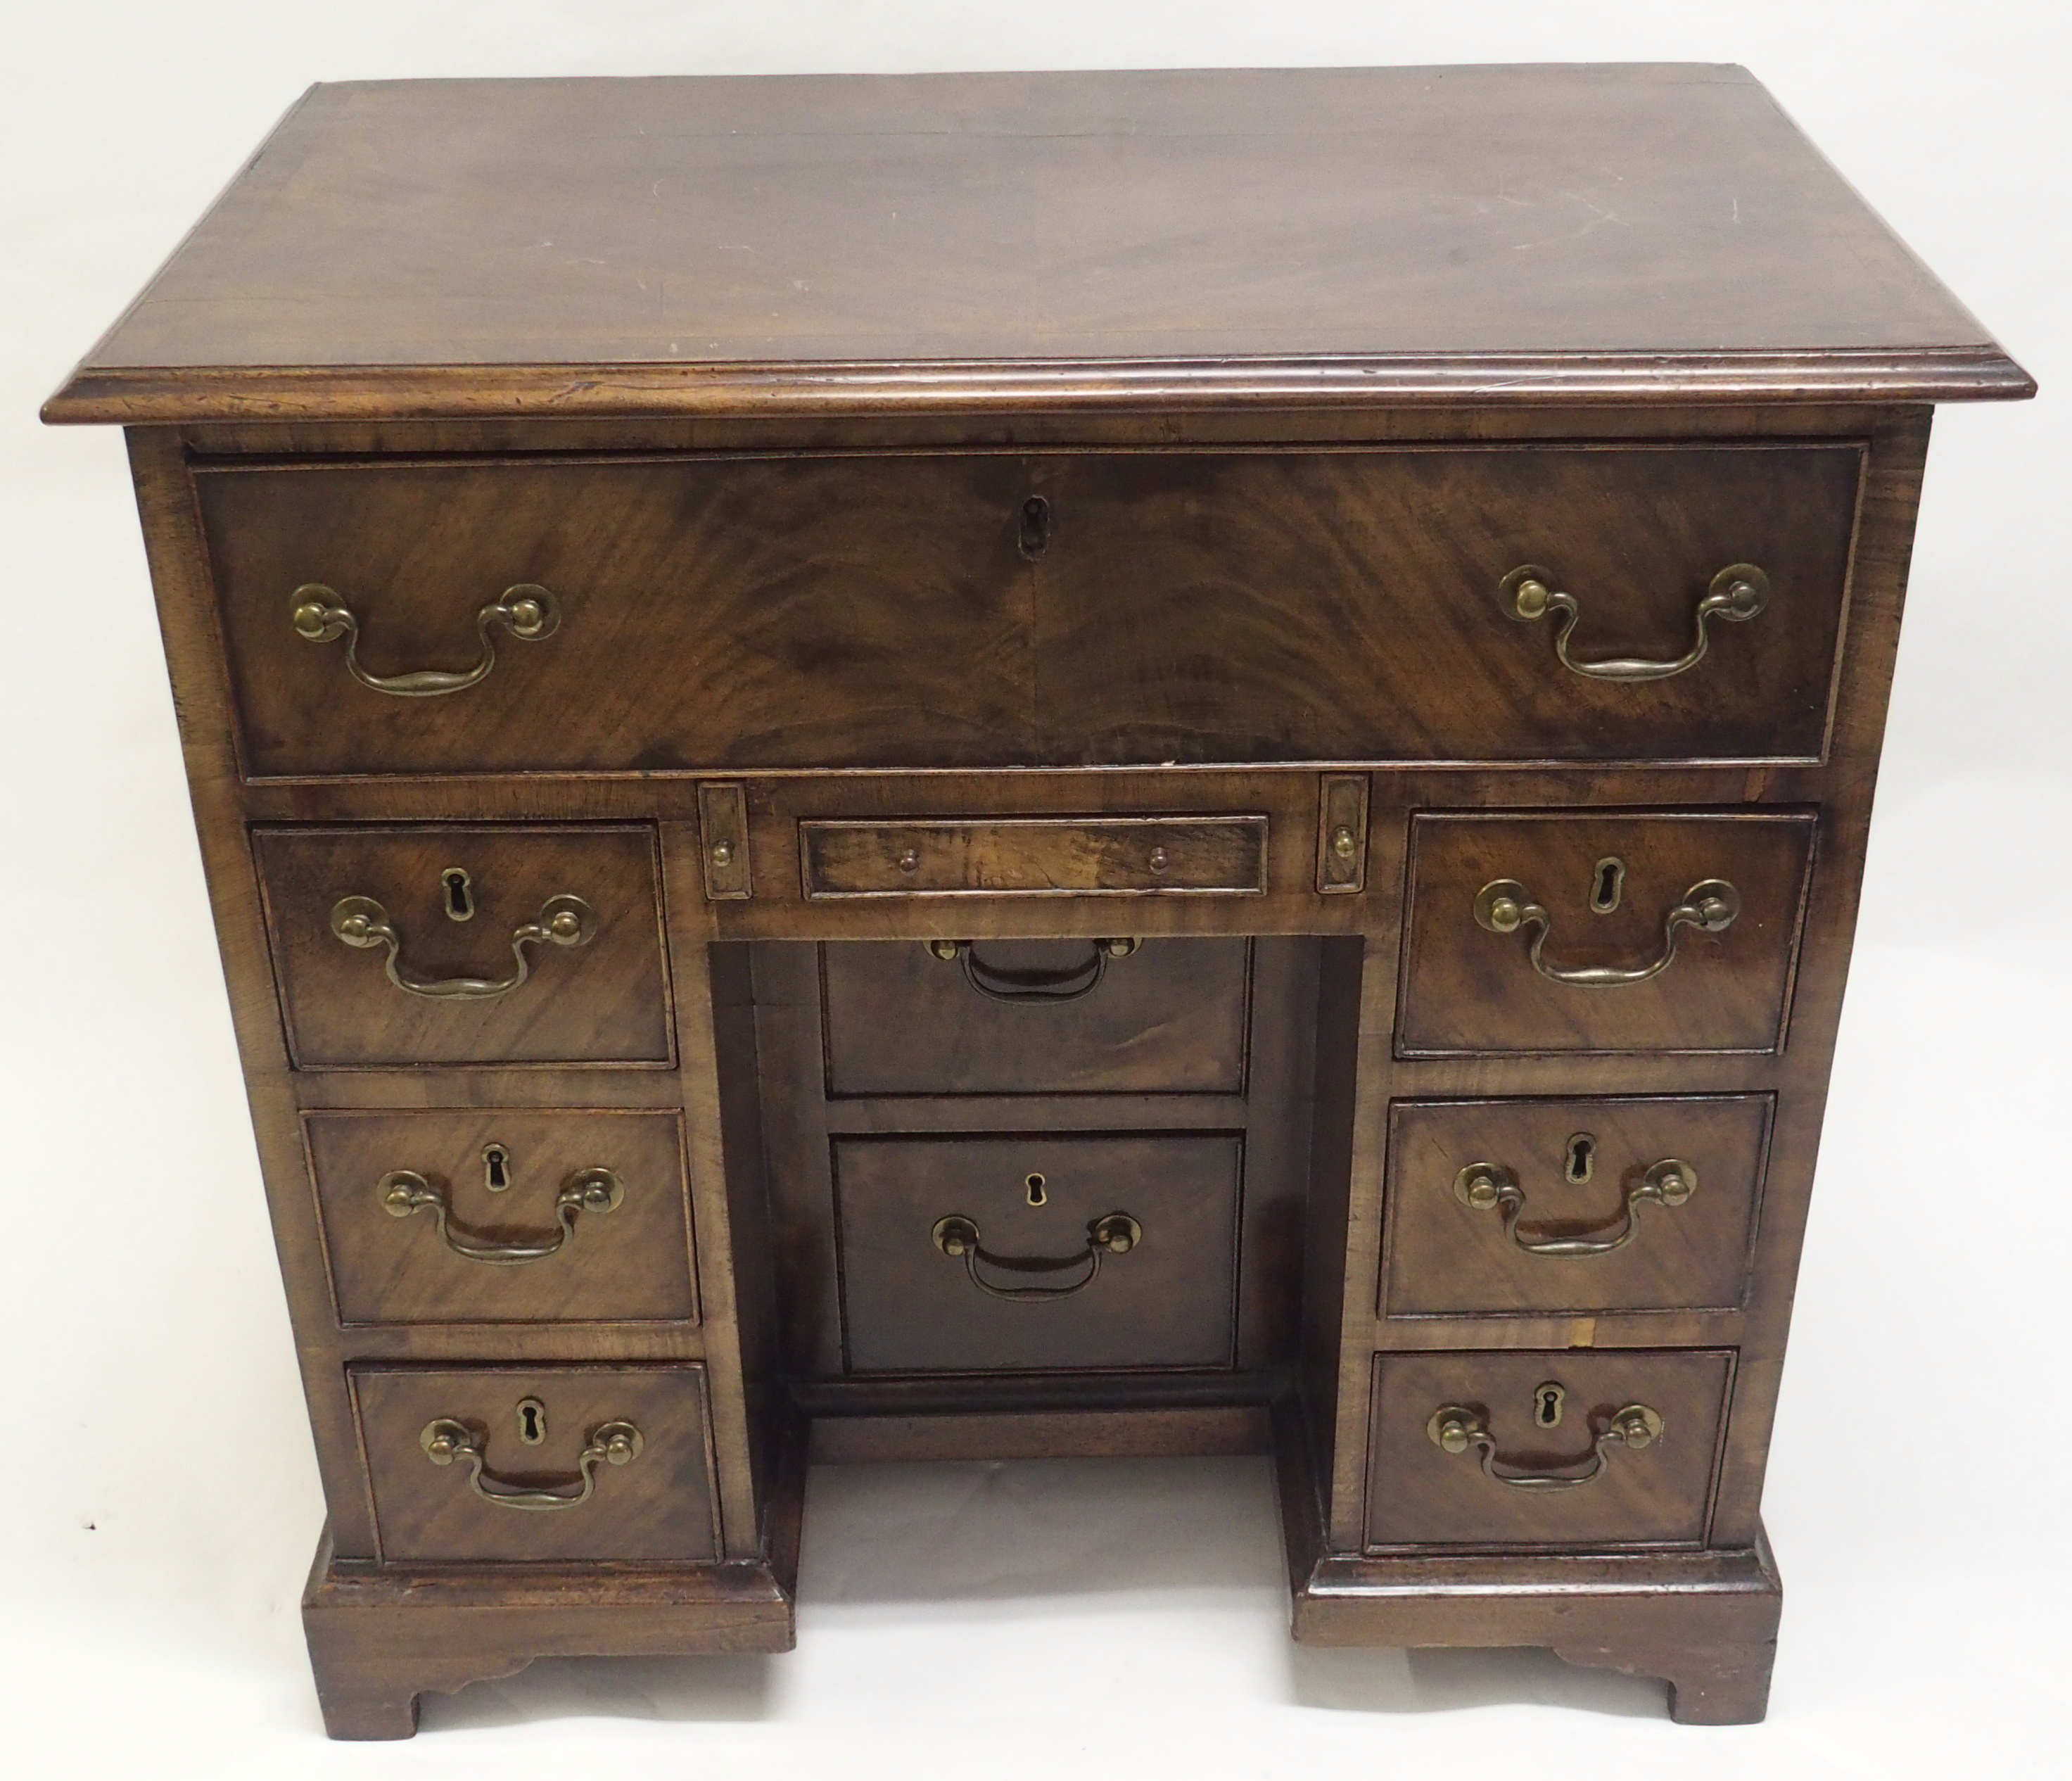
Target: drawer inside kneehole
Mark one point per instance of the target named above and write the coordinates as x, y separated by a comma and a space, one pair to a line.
467, 945
1006, 1017
1583, 930
1593, 1450
1632, 1203
1038, 1253
503, 1216
508, 1464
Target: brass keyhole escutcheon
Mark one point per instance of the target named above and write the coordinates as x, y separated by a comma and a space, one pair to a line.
531, 1421
1580, 1159
1547, 1402
495, 1168
458, 889
1035, 1183
1607, 885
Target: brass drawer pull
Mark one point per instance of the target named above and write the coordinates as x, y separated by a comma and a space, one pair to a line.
403, 1192
1504, 906
1484, 1186
1456, 1428
1114, 1233
526, 610
562, 921
999, 985
1737, 594
610, 1444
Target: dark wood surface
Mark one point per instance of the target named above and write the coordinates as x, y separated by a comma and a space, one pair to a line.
1396, 232
658, 1507
1441, 1257
631, 1262
1171, 1302
1661, 1494
605, 1001
1170, 1017
1466, 990
1185, 606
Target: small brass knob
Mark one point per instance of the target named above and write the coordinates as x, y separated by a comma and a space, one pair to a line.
1343, 842
909, 860
722, 853
1158, 859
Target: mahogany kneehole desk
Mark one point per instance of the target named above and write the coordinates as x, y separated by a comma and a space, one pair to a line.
1170, 772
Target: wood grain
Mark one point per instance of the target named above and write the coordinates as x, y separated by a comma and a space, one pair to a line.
804, 242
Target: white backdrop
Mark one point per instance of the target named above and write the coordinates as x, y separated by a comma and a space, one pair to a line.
157, 1498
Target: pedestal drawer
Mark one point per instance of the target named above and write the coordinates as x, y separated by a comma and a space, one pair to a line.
502, 1216
1006, 1254
1598, 1449
539, 1462
1587, 932
1641, 1204
1036, 1017
467, 945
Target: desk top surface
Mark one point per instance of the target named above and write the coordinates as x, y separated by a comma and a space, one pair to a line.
730, 244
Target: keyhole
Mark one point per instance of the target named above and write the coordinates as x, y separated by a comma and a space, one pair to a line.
1035, 528
460, 897
1582, 1158
495, 1168
1606, 883
1035, 1185
531, 1421
1547, 1404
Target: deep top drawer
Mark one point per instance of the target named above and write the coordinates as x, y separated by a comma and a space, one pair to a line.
978, 609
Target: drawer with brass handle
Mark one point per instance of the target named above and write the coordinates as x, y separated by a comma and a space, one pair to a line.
902, 610
502, 1216
1040, 1252
1639, 1203
1583, 932
546, 1462
451, 944
999, 1016
1599, 1449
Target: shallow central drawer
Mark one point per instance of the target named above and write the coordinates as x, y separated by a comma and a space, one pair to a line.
502, 1216
452, 944
1036, 1017
554, 1462
1037, 1253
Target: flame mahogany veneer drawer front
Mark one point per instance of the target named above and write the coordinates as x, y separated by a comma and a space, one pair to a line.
1645, 1203
1601, 931
451, 944
546, 1462
1036, 1017
1463, 1453
983, 609
1038, 1253
503, 1216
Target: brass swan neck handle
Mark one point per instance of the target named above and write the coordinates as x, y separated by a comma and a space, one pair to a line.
1455, 1428
1113, 1233
1528, 593
403, 1192
526, 609
562, 921
446, 1440
1504, 906
998, 983
1486, 1186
